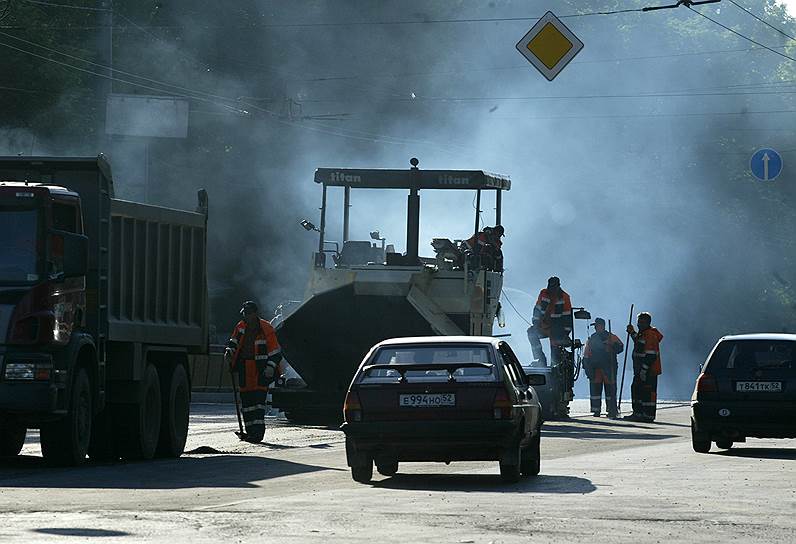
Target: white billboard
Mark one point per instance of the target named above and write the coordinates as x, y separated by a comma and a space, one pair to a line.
147, 116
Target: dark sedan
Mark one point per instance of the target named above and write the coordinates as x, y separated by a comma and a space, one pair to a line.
441, 399
747, 388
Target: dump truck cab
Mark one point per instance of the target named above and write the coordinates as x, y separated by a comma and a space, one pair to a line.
361, 292
42, 290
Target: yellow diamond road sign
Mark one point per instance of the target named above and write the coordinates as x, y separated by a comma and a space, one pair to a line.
549, 45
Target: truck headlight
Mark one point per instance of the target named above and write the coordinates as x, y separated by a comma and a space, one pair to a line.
27, 371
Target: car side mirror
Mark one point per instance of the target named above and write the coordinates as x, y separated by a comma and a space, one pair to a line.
75, 255
536, 379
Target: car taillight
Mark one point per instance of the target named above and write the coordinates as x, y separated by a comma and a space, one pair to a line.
352, 408
706, 384
501, 407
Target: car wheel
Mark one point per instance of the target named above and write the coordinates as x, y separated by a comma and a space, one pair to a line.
510, 473
362, 473
699, 441
724, 444
12, 438
387, 467
531, 461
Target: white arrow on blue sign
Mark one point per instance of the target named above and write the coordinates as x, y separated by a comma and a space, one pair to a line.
765, 164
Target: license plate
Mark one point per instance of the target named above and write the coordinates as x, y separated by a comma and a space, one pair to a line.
758, 387
427, 400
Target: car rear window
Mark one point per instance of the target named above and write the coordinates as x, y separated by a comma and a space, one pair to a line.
741, 356
430, 356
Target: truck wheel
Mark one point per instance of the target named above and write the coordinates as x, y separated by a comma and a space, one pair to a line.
140, 438
12, 438
699, 441
65, 442
531, 461
724, 443
510, 473
101, 448
176, 396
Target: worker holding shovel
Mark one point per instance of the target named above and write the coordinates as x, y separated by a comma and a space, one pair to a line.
254, 357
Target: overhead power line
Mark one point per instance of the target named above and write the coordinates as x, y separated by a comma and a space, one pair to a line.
65, 6
739, 6
231, 104
740, 35
399, 22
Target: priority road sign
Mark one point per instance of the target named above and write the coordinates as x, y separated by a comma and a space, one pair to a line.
549, 45
766, 164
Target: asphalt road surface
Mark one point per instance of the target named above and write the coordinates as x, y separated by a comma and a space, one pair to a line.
601, 481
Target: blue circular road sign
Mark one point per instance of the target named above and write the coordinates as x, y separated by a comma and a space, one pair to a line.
766, 164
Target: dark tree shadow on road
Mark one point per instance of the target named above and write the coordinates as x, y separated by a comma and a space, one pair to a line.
187, 472
788, 454
486, 482
589, 430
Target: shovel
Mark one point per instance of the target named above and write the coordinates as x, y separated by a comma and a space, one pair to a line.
240, 432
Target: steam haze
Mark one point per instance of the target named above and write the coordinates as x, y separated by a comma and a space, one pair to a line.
628, 198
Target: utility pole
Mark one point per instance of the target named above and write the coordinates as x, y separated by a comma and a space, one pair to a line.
105, 47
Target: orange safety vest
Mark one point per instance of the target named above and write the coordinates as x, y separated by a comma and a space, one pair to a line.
647, 350
267, 352
553, 315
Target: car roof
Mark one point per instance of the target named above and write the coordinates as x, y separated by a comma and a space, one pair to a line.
416, 340
778, 336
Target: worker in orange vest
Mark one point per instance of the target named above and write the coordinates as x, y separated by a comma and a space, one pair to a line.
600, 365
646, 368
253, 352
552, 318
487, 246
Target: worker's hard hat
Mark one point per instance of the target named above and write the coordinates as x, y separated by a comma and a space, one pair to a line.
249, 306
553, 281
499, 230
598, 321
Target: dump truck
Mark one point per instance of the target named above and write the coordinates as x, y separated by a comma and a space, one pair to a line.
102, 302
361, 292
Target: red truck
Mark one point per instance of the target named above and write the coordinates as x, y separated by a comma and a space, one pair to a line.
102, 302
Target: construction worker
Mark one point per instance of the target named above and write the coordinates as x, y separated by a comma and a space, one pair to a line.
646, 368
487, 244
552, 318
601, 366
253, 353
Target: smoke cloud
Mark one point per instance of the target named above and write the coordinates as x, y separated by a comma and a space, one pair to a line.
629, 170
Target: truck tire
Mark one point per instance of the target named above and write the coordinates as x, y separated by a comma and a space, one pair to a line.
140, 434
65, 442
12, 438
102, 447
176, 397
